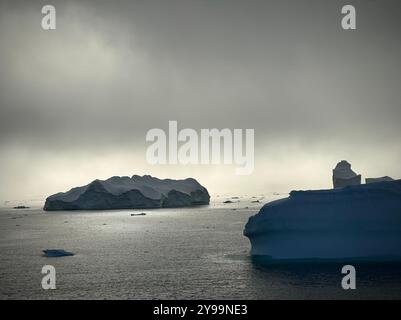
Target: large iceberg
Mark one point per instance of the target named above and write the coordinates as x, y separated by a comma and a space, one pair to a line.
130, 193
351, 223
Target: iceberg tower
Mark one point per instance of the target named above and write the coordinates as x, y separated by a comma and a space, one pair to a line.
343, 175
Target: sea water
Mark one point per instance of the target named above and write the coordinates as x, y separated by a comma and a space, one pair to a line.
186, 253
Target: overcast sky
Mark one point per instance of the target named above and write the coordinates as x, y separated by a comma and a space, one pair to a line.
76, 102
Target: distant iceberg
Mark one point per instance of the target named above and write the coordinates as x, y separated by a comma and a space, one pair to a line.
343, 175
130, 193
351, 223
374, 180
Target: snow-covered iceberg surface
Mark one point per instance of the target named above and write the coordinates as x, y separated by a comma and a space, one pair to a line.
130, 193
351, 223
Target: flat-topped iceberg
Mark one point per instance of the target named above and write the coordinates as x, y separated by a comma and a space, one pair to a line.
130, 193
351, 223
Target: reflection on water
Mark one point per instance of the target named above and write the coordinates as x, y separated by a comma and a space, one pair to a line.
323, 280
167, 254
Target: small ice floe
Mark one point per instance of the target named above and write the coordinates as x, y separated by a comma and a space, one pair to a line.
21, 207
138, 214
54, 253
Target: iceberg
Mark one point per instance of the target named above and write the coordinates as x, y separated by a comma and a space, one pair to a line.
374, 180
343, 175
55, 253
130, 193
361, 222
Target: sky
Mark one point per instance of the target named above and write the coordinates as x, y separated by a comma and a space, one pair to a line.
76, 102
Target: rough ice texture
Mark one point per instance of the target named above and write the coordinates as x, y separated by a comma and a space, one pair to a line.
355, 222
343, 175
126, 193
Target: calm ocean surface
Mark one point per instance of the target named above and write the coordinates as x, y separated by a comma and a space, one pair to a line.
191, 253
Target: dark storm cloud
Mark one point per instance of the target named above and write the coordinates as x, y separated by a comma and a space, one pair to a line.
114, 69
285, 68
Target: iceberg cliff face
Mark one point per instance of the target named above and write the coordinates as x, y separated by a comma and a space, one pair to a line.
129, 193
355, 222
